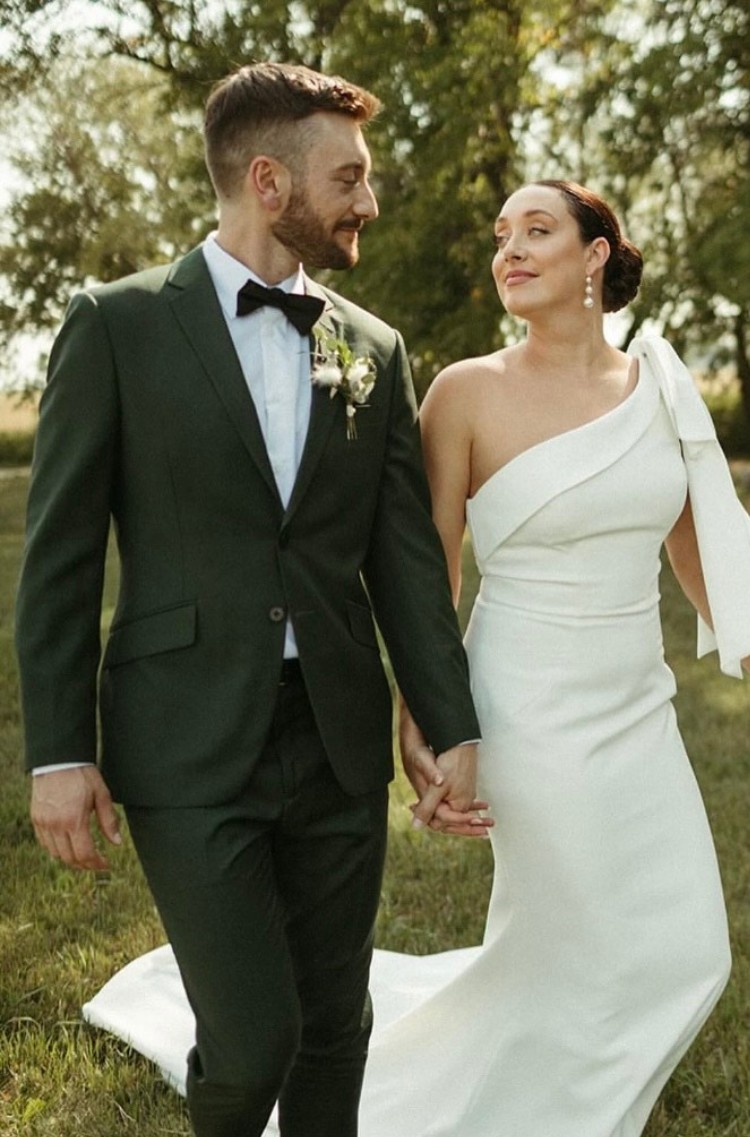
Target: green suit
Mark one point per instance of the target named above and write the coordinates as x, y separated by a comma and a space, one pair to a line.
147, 422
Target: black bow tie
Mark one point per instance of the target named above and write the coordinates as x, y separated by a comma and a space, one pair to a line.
302, 311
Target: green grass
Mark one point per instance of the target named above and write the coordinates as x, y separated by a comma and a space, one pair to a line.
63, 934
16, 448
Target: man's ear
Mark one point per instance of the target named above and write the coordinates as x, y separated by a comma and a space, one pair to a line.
270, 182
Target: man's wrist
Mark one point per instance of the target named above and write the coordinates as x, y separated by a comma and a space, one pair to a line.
56, 767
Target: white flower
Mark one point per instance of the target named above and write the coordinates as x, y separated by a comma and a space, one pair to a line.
360, 380
328, 374
336, 367
360, 370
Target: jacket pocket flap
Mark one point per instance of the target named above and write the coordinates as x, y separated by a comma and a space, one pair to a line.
160, 631
361, 624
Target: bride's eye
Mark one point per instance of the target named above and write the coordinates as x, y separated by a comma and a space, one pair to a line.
500, 239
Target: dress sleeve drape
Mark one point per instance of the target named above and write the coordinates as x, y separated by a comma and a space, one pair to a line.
721, 523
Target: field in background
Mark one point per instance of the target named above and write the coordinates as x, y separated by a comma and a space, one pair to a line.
15, 416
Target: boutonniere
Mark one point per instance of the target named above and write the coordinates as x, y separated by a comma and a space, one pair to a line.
336, 367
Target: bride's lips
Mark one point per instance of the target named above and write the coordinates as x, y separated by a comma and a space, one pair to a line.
519, 277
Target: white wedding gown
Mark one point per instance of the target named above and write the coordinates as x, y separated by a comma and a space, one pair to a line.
606, 939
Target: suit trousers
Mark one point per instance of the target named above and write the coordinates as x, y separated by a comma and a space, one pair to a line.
269, 902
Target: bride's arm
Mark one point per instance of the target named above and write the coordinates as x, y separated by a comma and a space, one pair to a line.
446, 441
447, 444
684, 557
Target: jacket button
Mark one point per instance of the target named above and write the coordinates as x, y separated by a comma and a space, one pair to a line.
277, 614
283, 538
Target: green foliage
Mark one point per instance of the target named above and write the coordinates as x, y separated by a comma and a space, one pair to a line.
443, 166
648, 101
100, 195
453, 77
726, 409
669, 138
16, 448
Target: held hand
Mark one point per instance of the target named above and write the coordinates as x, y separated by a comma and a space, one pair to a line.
457, 823
457, 769
62, 804
421, 769
429, 783
418, 759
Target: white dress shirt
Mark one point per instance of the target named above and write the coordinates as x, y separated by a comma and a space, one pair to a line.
275, 361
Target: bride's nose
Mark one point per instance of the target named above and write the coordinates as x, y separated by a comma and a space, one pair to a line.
513, 250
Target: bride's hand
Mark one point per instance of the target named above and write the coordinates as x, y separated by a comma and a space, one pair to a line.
450, 804
456, 786
461, 823
437, 789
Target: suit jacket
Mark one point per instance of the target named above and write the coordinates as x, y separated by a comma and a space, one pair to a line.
147, 420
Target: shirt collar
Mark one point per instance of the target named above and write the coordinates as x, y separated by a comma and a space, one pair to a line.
228, 276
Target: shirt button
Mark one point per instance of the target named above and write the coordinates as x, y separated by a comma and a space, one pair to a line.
277, 614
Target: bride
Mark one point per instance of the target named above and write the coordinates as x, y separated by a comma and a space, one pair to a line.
606, 942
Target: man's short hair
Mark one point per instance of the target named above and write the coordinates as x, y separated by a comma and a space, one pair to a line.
257, 109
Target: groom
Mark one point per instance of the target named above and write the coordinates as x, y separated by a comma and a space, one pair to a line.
262, 520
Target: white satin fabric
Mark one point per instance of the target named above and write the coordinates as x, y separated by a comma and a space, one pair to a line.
606, 941
722, 525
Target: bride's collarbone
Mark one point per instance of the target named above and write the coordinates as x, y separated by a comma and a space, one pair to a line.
509, 424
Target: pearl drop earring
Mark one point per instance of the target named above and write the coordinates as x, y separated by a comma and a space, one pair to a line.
588, 299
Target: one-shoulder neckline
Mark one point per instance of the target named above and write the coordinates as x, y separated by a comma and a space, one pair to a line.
592, 422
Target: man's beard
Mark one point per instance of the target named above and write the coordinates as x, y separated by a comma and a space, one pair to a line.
301, 231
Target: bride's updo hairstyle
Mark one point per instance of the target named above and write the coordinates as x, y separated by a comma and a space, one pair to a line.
623, 270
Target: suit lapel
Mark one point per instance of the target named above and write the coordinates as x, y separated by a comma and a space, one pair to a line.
199, 314
197, 310
323, 409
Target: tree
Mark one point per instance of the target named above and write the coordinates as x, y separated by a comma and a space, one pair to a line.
107, 183
664, 115
460, 82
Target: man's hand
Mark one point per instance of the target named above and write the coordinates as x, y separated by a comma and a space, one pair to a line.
419, 762
62, 804
432, 781
449, 778
447, 791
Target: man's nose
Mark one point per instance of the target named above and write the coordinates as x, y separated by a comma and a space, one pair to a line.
366, 204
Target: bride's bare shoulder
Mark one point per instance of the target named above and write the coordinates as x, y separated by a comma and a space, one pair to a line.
461, 382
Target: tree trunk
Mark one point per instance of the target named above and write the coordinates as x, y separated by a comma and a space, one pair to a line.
743, 368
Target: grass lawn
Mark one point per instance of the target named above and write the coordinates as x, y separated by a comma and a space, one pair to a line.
63, 934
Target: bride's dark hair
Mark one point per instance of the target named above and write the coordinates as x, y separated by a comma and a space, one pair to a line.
623, 270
